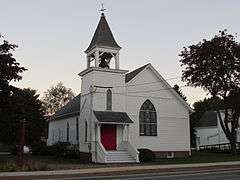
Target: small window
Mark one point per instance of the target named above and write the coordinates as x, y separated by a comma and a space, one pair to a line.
67, 132
109, 99
77, 129
148, 119
86, 131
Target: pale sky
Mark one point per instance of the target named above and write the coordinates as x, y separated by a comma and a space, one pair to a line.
53, 34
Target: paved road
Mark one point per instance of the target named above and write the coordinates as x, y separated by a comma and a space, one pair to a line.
223, 175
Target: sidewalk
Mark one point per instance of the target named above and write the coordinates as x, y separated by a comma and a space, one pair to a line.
118, 169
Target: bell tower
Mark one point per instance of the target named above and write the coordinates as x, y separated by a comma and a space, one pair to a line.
103, 50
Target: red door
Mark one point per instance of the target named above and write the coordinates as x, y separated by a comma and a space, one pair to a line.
108, 136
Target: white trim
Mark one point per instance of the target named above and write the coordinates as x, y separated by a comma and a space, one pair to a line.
166, 84
82, 73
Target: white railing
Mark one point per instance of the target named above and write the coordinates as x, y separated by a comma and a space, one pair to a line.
101, 153
126, 145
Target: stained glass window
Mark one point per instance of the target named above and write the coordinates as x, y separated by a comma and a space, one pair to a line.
148, 119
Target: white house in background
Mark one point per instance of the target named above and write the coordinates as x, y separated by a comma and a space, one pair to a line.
209, 130
119, 112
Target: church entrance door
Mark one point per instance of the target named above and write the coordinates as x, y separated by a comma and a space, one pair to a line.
109, 136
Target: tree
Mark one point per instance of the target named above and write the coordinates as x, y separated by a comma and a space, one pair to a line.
17, 104
214, 65
10, 69
24, 104
179, 91
56, 97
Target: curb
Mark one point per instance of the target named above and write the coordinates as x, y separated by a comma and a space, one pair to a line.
116, 169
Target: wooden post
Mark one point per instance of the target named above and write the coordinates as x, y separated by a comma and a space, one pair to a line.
21, 143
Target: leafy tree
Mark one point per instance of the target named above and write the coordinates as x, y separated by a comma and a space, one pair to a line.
214, 65
15, 103
10, 69
56, 97
24, 104
179, 91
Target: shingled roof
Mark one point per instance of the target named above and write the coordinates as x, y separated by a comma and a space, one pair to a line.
103, 36
112, 117
72, 108
133, 73
208, 119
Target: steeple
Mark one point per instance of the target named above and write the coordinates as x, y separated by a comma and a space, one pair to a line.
103, 46
103, 36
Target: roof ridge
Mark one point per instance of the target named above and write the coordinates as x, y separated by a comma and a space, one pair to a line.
129, 76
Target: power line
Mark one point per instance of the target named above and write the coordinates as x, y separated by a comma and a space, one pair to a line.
130, 85
146, 91
124, 94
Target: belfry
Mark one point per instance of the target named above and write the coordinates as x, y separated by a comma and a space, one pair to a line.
103, 48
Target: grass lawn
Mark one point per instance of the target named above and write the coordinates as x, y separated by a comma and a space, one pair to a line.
54, 163
200, 157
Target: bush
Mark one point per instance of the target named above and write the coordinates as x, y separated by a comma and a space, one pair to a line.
35, 166
146, 155
40, 148
59, 149
72, 152
8, 167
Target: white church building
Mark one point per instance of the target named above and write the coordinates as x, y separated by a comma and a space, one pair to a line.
119, 112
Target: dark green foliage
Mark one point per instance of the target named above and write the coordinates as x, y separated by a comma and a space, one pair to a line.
60, 149
17, 104
146, 155
214, 65
23, 104
10, 70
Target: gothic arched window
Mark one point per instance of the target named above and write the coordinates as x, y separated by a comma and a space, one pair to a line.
67, 132
109, 100
148, 119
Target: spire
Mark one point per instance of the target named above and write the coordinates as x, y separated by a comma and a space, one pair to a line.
103, 36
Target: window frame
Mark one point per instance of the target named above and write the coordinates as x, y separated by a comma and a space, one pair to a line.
148, 119
68, 131
109, 100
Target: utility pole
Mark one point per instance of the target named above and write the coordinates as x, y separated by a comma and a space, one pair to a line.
21, 142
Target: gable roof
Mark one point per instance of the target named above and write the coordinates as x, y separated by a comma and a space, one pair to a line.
72, 108
112, 117
103, 36
129, 76
136, 72
208, 119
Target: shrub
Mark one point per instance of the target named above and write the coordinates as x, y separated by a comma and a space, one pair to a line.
8, 167
40, 148
146, 155
59, 149
72, 152
35, 166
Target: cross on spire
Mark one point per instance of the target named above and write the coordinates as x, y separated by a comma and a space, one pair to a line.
102, 9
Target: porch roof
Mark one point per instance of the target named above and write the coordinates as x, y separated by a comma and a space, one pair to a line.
112, 117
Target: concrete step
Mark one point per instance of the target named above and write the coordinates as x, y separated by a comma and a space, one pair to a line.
119, 157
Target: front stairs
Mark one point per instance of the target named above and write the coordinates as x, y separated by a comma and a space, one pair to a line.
119, 156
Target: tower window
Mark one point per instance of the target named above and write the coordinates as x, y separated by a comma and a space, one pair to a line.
148, 119
109, 100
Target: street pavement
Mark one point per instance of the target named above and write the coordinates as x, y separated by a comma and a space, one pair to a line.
224, 175
218, 171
